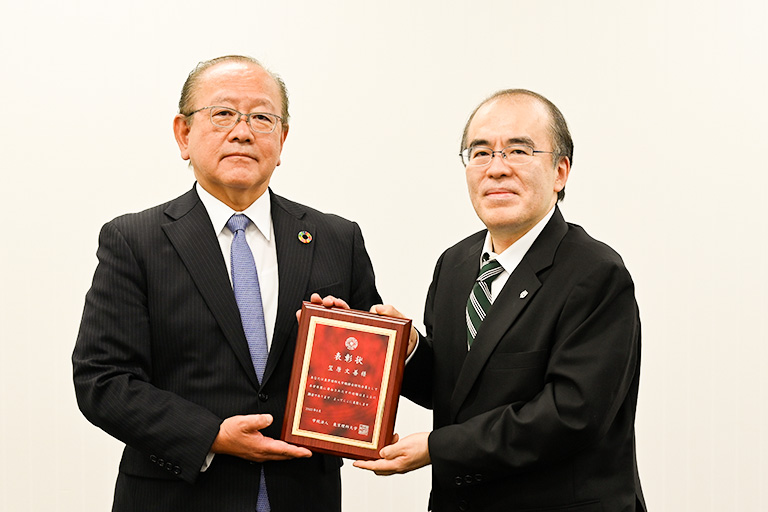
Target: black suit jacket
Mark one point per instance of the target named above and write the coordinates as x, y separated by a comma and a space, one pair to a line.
539, 414
161, 357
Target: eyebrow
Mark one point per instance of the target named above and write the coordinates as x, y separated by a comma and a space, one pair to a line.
516, 140
222, 100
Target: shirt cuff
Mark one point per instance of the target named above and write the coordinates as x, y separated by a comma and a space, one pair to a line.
207, 461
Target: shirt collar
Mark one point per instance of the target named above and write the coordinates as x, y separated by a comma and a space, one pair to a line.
513, 255
260, 212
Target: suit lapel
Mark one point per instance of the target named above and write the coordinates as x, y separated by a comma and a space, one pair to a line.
193, 237
505, 310
294, 262
462, 278
518, 292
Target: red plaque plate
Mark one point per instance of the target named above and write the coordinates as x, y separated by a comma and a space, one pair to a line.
345, 382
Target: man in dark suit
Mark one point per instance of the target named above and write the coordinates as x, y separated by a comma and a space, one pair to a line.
163, 361
533, 380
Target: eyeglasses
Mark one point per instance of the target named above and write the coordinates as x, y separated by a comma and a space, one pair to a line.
225, 117
518, 154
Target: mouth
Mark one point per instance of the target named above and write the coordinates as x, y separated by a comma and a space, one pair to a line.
238, 155
499, 193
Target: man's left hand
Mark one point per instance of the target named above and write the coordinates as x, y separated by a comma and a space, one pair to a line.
402, 456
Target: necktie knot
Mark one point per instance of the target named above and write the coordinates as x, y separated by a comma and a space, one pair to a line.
238, 222
489, 271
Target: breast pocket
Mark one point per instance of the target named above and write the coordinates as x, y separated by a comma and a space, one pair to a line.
511, 377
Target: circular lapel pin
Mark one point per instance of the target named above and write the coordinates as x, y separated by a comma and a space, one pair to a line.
305, 237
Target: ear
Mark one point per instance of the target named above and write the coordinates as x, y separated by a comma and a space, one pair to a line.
181, 132
563, 169
283, 136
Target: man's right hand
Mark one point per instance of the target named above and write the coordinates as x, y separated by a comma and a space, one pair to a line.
240, 436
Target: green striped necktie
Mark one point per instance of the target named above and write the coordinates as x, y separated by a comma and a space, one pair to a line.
480, 300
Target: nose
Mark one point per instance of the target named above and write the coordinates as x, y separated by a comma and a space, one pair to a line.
498, 167
241, 131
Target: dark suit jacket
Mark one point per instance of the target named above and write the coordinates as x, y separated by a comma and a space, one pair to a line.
161, 358
539, 414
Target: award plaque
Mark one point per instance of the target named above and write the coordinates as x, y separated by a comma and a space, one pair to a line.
345, 382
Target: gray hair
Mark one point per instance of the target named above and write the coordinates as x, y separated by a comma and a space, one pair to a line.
187, 92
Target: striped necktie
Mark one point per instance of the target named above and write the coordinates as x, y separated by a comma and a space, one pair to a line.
479, 302
245, 282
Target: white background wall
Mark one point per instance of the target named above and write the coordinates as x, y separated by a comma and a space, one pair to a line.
666, 104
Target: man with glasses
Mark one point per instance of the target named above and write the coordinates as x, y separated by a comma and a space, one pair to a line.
187, 338
531, 359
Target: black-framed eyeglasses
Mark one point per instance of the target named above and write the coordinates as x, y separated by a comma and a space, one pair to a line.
514, 154
225, 117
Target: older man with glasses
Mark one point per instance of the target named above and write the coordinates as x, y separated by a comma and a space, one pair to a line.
187, 338
531, 359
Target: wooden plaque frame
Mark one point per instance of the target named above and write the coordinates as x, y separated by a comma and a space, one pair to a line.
345, 381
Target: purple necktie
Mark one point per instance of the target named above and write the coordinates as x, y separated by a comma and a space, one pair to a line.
245, 282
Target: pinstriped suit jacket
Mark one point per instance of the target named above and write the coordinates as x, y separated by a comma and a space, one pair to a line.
161, 358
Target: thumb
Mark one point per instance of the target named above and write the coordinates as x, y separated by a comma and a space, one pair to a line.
391, 451
259, 421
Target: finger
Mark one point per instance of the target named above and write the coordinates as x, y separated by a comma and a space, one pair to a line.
387, 451
330, 301
390, 452
258, 421
386, 310
380, 467
273, 449
365, 464
316, 299
413, 341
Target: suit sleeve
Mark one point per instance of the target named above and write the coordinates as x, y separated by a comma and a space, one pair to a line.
112, 363
418, 375
591, 368
363, 290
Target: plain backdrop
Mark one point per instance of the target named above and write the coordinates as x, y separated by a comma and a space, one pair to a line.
666, 103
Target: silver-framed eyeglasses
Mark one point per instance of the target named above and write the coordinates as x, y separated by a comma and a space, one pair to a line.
514, 154
225, 117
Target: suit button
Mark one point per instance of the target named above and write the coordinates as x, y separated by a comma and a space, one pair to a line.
176, 470
463, 506
168, 466
468, 479
459, 481
479, 477
160, 462
263, 397
153, 458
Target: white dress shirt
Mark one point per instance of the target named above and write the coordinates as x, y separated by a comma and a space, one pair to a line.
512, 256
260, 236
